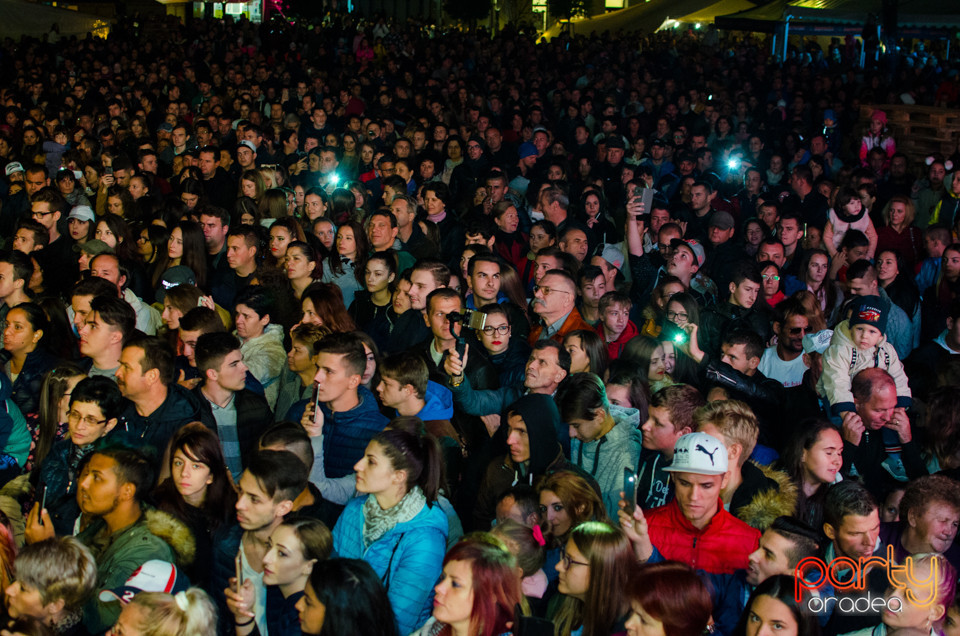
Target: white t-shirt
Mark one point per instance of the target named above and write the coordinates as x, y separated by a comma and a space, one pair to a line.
786, 373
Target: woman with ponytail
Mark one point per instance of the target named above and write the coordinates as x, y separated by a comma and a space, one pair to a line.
398, 528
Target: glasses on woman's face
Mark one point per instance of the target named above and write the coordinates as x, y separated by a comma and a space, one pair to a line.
567, 561
89, 420
676, 315
770, 277
502, 330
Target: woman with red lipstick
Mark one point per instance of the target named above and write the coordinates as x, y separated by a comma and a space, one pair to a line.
198, 491
477, 592
283, 232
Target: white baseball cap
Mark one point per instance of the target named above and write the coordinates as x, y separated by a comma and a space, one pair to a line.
83, 213
698, 453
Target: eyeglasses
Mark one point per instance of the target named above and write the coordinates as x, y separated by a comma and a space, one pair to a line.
770, 277
501, 330
567, 561
673, 315
41, 214
796, 331
546, 291
89, 420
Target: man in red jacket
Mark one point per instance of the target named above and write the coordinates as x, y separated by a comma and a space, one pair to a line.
694, 528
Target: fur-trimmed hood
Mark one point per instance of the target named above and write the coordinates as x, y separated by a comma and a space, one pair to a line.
773, 495
174, 532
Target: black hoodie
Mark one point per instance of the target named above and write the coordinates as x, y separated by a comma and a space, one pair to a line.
542, 419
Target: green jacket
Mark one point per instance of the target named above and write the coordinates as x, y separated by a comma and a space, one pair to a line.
156, 535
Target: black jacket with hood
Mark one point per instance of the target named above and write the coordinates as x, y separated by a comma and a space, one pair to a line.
542, 419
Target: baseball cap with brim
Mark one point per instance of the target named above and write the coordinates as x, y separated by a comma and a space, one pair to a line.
721, 219
613, 255
695, 248
152, 576
13, 167
817, 342
527, 149
179, 275
93, 247
82, 213
698, 453
248, 144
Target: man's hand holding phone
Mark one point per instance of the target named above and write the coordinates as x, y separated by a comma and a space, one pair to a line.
635, 527
312, 419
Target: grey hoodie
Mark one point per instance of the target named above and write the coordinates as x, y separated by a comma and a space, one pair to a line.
606, 457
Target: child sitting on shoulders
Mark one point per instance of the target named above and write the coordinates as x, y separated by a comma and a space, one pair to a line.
859, 343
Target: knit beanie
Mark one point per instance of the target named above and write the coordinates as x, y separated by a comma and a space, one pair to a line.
870, 310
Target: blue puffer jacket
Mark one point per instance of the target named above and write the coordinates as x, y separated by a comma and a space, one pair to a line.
408, 558
347, 433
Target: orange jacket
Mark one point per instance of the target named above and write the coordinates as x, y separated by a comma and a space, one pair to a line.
573, 322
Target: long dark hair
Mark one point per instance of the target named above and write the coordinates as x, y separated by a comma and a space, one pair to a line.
781, 588
327, 300
126, 249
53, 389
311, 255
37, 319
354, 598
200, 444
903, 289
418, 455
809, 509
194, 253
335, 261
595, 349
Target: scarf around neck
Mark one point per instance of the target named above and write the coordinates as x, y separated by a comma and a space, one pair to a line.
377, 521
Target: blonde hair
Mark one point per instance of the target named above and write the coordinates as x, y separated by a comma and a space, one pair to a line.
910, 210
189, 613
735, 421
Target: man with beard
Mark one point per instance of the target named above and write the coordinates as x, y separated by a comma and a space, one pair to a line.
784, 362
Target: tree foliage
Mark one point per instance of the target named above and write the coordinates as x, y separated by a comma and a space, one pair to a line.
566, 9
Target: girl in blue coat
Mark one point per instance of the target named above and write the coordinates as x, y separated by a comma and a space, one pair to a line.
398, 528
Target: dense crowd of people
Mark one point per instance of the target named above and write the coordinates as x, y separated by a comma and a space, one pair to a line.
366, 328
